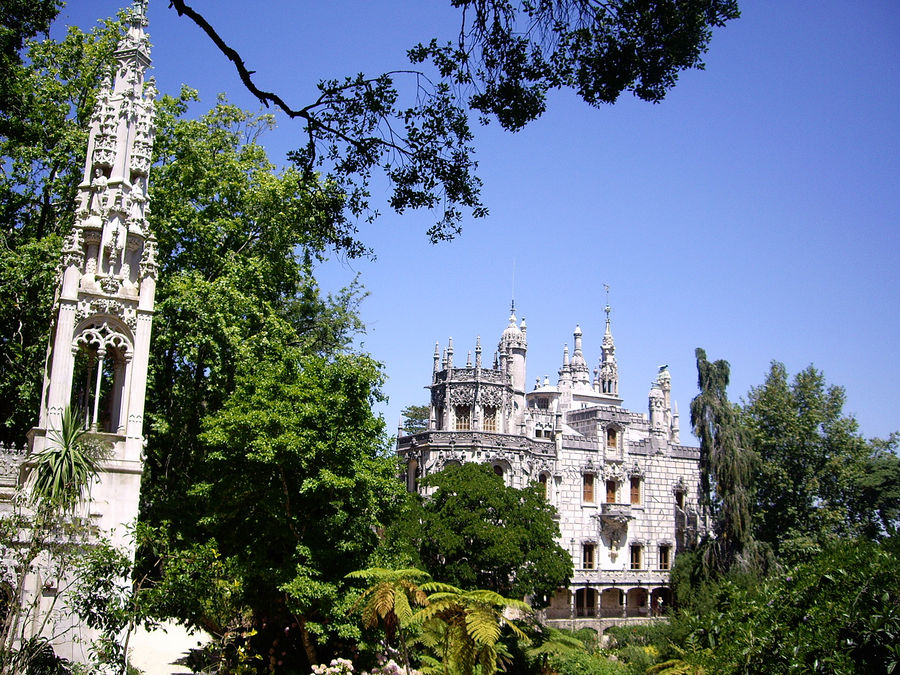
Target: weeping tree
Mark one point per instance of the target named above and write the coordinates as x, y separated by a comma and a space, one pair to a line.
726, 470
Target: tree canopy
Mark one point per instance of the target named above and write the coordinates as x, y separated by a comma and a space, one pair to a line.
811, 458
413, 124
473, 531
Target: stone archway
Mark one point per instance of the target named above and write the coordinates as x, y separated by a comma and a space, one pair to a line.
586, 602
611, 602
637, 602
660, 600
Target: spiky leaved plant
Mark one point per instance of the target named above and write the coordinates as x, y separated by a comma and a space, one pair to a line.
65, 468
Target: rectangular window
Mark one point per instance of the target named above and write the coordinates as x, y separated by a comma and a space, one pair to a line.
587, 557
679, 499
463, 418
611, 438
635, 490
543, 481
490, 418
664, 557
587, 492
635, 556
610, 492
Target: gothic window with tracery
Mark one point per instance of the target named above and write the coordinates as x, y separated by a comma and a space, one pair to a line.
462, 417
100, 378
490, 418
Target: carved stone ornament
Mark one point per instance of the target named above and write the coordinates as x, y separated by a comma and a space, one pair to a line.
110, 284
73, 249
636, 471
462, 395
614, 472
437, 397
101, 336
149, 266
123, 310
492, 396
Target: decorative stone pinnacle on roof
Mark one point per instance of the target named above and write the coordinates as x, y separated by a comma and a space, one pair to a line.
513, 336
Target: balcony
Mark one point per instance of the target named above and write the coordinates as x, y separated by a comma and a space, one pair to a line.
615, 513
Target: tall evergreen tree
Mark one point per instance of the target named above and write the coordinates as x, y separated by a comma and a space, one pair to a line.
725, 470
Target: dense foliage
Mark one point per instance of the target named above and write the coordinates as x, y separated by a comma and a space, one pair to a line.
473, 531
811, 457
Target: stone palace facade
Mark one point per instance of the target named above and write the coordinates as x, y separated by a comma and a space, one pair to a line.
623, 485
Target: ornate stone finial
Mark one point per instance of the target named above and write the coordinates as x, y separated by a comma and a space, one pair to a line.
469, 360
478, 351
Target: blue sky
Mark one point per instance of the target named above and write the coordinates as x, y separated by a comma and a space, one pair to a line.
755, 212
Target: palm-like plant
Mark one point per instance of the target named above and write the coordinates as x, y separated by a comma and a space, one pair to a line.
390, 600
63, 470
464, 627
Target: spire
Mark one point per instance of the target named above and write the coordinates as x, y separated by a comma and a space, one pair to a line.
609, 370
478, 351
99, 355
437, 356
579, 367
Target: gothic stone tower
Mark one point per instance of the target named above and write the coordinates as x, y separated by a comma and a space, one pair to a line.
98, 357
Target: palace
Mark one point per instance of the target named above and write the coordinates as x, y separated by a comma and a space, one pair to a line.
623, 485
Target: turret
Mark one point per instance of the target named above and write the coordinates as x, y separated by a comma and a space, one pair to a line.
657, 411
609, 370
513, 349
581, 378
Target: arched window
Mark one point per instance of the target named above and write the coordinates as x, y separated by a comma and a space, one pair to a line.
490, 418
100, 378
498, 470
462, 417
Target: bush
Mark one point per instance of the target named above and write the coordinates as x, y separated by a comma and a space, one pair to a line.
838, 613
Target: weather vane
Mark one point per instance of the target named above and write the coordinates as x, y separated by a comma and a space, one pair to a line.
608, 308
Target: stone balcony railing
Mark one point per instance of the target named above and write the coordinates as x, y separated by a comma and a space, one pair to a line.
477, 440
599, 578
